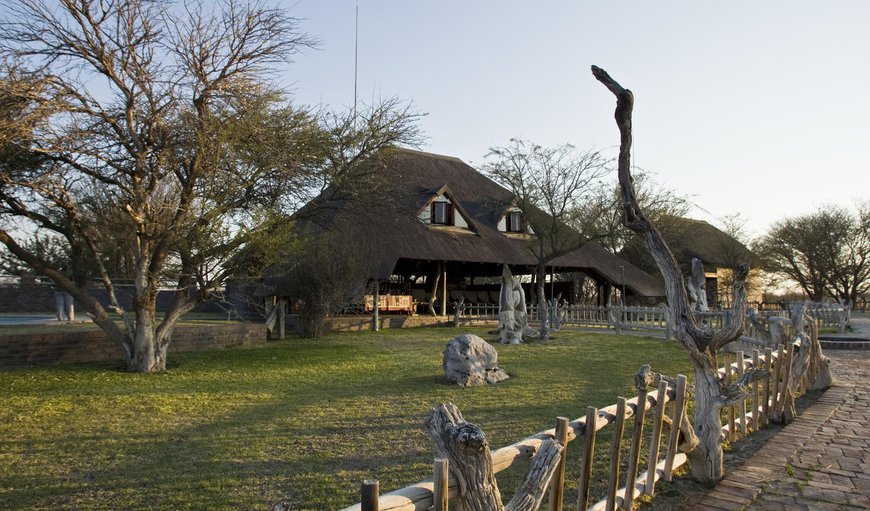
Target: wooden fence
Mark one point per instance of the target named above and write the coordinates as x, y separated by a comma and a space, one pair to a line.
652, 319
765, 399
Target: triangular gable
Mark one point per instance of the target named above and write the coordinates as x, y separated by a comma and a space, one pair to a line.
460, 217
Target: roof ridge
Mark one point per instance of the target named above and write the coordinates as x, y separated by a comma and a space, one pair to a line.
430, 155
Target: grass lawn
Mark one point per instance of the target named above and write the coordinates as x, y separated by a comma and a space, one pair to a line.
302, 419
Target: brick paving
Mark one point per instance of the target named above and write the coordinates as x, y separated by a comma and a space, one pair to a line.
821, 461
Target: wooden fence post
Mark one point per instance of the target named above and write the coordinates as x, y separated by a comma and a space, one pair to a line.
774, 405
756, 398
557, 483
732, 410
588, 452
667, 312
765, 387
740, 370
656, 440
634, 454
369, 493
618, 429
677, 419
441, 480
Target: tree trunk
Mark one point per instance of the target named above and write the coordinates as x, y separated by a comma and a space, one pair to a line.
466, 447
706, 459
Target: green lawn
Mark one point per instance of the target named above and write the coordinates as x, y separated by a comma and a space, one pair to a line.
307, 420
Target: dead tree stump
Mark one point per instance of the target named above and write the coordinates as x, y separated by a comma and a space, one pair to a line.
466, 447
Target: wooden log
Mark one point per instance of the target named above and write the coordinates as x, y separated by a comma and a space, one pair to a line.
655, 441
777, 386
557, 484
588, 452
466, 447
677, 419
786, 408
634, 453
369, 491
618, 429
765, 387
440, 486
732, 410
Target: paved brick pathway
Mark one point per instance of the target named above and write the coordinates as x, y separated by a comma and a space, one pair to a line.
821, 461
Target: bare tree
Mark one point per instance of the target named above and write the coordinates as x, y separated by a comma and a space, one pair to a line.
701, 343
161, 142
548, 184
600, 214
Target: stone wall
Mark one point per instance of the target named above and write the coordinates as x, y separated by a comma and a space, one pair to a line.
66, 347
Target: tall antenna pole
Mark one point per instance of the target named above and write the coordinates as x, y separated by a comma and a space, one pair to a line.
355, 60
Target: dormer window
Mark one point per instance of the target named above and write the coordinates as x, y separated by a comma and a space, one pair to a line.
442, 213
514, 222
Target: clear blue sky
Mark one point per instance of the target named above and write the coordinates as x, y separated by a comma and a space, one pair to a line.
759, 108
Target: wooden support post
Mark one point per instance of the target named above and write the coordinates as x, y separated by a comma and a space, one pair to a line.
441, 478
588, 452
282, 316
444, 291
674, 437
742, 405
756, 398
369, 495
777, 375
618, 429
655, 442
786, 406
376, 308
557, 484
668, 328
634, 454
765, 387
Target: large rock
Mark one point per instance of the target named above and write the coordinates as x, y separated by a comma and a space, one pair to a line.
469, 360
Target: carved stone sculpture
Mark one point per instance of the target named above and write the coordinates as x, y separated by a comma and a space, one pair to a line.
512, 322
469, 360
696, 286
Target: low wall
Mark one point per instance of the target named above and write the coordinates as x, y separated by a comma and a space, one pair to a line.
356, 323
23, 350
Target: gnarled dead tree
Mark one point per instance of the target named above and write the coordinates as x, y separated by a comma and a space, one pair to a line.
701, 343
810, 368
465, 446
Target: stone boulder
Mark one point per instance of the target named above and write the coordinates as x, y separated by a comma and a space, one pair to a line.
469, 360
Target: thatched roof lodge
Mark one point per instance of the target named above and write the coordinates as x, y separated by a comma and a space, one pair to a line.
435, 215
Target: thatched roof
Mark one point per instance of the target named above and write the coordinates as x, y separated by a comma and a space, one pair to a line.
385, 229
690, 238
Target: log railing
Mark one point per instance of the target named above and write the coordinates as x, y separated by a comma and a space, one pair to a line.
658, 441
653, 319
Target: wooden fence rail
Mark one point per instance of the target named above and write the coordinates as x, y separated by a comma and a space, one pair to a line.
654, 319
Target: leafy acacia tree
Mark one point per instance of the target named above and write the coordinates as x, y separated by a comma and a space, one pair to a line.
158, 151
548, 185
827, 252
